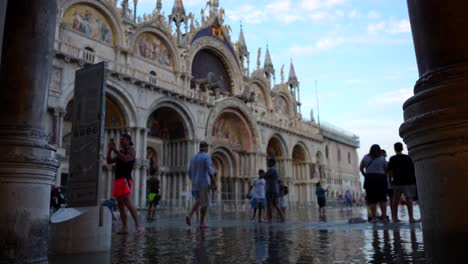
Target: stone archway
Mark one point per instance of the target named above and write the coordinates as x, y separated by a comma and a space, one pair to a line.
300, 173
223, 163
116, 124
232, 133
210, 72
276, 148
169, 135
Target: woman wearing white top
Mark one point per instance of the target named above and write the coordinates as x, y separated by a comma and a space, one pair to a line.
373, 167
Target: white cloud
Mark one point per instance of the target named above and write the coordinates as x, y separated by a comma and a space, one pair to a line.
339, 13
392, 97
280, 10
328, 43
320, 16
354, 14
247, 13
400, 26
391, 26
318, 4
377, 27
373, 15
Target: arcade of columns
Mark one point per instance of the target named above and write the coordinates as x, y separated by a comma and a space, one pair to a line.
167, 114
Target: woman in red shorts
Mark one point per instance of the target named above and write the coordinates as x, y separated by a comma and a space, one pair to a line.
124, 160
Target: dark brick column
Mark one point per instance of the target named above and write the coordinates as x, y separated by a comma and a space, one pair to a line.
436, 125
27, 161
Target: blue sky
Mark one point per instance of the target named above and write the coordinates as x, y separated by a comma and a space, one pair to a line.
359, 51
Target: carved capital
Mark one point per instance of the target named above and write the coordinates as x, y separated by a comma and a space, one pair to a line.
439, 106
26, 156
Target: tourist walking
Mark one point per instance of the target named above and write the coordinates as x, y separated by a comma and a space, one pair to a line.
373, 167
258, 195
320, 192
284, 190
124, 161
203, 182
272, 189
154, 194
348, 198
401, 168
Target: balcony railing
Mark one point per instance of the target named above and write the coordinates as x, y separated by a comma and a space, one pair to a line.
83, 56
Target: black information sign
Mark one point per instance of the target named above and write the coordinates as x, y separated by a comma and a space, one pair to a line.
86, 152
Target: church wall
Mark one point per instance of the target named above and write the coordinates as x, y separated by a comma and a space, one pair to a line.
139, 94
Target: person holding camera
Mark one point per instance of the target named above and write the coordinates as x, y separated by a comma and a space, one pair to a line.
124, 160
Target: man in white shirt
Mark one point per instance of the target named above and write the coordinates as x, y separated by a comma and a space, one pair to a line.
258, 194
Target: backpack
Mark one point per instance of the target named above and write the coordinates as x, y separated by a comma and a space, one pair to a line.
285, 189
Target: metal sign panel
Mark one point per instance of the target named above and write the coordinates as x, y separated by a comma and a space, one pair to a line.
86, 152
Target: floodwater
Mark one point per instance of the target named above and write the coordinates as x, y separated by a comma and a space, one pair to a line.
234, 238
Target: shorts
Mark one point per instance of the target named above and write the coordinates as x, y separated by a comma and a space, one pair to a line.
271, 199
258, 203
122, 187
153, 198
202, 197
321, 201
282, 202
376, 188
409, 191
390, 193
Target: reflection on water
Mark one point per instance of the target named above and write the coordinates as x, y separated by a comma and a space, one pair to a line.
305, 238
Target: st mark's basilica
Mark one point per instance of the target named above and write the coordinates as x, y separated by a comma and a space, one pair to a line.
176, 79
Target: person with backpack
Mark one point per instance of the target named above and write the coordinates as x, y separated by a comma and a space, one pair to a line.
373, 166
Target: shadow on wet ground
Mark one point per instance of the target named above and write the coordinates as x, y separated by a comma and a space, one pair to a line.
234, 238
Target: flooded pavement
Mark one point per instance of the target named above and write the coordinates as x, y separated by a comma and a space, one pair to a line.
234, 238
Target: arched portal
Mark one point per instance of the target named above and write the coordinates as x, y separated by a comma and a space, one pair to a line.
168, 138
301, 170
115, 124
210, 72
277, 148
232, 132
223, 164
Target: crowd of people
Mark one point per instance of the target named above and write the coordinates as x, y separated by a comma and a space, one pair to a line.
383, 180
390, 180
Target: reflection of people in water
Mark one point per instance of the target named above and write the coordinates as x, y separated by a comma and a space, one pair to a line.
200, 253
400, 248
382, 249
261, 244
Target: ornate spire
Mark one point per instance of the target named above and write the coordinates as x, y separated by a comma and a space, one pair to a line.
292, 81
178, 13
242, 45
158, 6
178, 16
268, 65
135, 4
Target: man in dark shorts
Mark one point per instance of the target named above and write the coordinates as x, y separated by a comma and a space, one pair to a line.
401, 168
124, 161
321, 198
153, 194
272, 189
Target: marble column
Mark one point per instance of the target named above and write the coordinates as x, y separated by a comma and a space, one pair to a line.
436, 125
3, 5
27, 164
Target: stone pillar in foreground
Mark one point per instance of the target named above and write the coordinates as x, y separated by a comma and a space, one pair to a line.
3, 5
27, 161
436, 125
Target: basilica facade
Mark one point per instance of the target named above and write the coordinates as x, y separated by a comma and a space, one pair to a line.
177, 79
